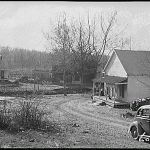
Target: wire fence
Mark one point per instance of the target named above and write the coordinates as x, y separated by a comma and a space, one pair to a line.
28, 87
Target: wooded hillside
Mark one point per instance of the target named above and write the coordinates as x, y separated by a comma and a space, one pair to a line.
21, 58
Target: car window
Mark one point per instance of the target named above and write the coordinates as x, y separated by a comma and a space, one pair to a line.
146, 112
139, 113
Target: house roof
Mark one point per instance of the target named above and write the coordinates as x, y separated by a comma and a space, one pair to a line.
110, 79
135, 62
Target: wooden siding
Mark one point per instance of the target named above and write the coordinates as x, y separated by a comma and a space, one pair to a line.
138, 87
115, 68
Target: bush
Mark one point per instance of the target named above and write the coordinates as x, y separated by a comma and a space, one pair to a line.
23, 79
28, 115
5, 118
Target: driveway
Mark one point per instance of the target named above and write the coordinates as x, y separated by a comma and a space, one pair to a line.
95, 126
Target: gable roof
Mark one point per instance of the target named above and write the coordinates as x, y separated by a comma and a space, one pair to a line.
135, 62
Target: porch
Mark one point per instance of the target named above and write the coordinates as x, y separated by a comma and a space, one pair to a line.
112, 103
112, 90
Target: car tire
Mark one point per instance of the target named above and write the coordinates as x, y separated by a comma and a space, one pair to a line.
134, 132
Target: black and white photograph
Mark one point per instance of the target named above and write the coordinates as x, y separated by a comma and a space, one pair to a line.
75, 74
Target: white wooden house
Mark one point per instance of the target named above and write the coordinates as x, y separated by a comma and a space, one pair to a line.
126, 76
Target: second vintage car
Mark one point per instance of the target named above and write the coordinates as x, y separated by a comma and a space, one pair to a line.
140, 127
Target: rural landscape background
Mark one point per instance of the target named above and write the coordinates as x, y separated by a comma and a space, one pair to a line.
51, 52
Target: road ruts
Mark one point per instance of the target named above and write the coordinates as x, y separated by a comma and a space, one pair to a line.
75, 111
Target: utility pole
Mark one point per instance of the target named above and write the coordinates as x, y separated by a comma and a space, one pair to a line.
130, 42
64, 70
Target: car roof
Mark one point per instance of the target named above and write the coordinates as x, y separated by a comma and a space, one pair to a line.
145, 106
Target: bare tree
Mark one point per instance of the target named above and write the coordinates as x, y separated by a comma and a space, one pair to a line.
106, 28
60, 40
82, 47
125, 43
85, 38
89, 43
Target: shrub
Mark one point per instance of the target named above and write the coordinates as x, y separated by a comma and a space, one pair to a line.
28, 115
5, 118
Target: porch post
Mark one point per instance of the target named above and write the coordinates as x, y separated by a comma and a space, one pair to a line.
93, 89
114, 94
106, 91
99, 90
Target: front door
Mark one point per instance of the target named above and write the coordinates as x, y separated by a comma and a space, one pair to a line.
121, 90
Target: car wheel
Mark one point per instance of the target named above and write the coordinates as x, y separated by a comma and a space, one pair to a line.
134, 132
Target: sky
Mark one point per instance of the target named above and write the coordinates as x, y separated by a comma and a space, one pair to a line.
22, 22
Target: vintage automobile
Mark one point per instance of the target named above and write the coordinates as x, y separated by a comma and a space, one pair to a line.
140, 127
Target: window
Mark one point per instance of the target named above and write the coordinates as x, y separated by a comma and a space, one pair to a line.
139, 113
2, 74
146, 112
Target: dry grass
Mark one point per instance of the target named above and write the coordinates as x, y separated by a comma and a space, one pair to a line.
26, 114
65, 113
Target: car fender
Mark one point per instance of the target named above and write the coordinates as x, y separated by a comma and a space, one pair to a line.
137, 125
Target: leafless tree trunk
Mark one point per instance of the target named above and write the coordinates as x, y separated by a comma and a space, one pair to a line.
88, 43
61, 41
64, 69
106, 29
84, 40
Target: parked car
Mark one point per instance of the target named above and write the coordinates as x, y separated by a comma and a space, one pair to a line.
140, 127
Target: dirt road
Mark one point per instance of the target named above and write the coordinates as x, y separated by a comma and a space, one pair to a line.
98, 126
78, 111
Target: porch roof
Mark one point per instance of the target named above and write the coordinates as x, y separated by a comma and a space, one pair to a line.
110, 79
